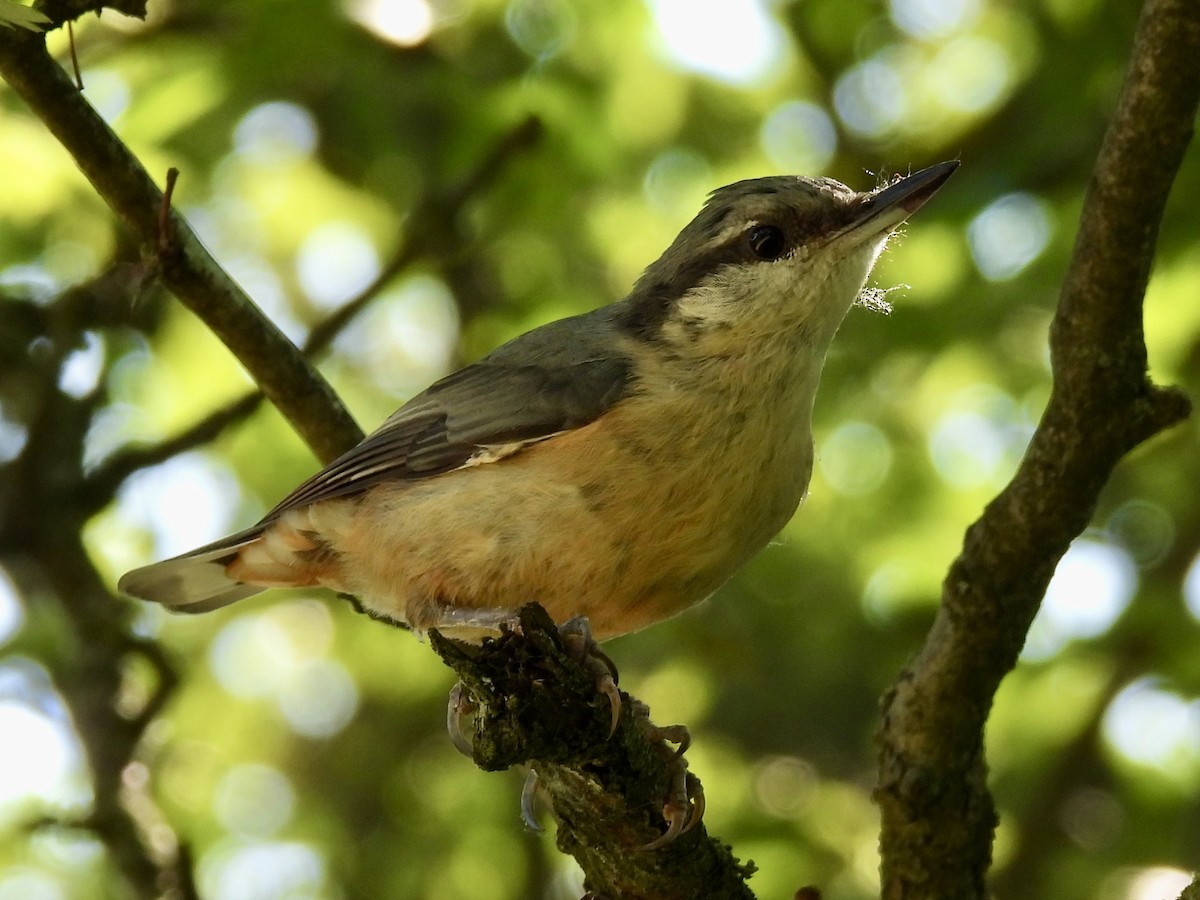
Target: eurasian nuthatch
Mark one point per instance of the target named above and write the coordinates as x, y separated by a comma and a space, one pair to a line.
618, 465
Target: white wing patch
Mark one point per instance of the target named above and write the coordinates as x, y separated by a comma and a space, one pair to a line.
490, 453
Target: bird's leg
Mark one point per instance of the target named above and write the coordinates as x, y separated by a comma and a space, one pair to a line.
467, 623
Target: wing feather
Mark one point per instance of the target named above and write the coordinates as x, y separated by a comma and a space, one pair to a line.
507, 400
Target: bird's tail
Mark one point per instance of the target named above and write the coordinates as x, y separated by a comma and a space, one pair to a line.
197, 581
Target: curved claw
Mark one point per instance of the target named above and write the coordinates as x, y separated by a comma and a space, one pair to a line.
608, 687
680, 818
528, 794
676, 817
696, 791
577, 636
457, 706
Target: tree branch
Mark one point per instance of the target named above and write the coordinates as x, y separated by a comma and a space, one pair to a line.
538, 704
183, 264
938, 817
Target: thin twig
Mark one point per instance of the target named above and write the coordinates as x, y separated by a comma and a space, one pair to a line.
74, 55
164, 213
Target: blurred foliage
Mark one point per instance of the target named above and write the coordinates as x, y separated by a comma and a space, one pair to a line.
304, 753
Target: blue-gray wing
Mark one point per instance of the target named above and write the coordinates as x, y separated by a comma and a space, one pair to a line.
546, 382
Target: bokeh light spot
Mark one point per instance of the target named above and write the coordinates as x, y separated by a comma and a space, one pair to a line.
275, 133
251, 655
263, 871
785, 786
12, 613
965, 449
81, 370
933, 18
1091, 587
253, 800
319, 698
405, 23
970, 74
43, 764
1191, 588
799, 137
1156, 883
855, 458
735, 41
1092, 818
184, 502
1146, 530
542, 28
672, 177
336, 261
20, 883
1155, 728
870, 97
13, 435
1008, 235
108, 93
407, 338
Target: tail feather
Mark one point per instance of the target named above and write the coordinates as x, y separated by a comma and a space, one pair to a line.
197, 581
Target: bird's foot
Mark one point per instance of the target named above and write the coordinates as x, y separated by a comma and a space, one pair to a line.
683, 808
577, 641
577, 637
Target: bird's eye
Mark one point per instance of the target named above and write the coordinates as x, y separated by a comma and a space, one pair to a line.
767, 242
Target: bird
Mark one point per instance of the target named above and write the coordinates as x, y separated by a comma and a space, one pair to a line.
617, 466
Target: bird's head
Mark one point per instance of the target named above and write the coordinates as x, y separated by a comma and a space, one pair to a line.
783, 256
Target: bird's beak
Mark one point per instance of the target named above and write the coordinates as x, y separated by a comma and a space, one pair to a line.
884, 208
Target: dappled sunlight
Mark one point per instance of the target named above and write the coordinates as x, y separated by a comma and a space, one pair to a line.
855, 458
1091, 587
197, 482
275, 133
43, 770
12, 612
1157, 728
1009, 234
281, 654
235, 870
798, 137
405, 23
253, 800
407, 339
933, 19
735, 41
335, 262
